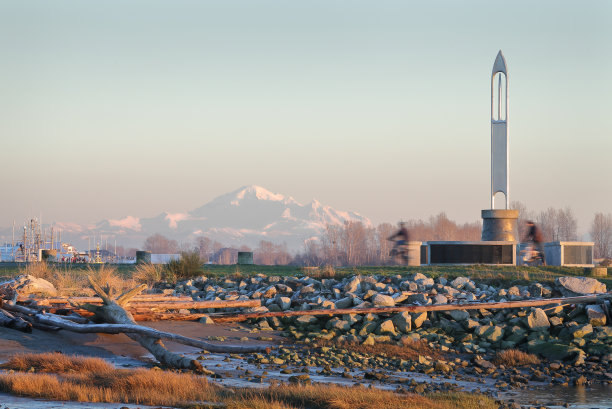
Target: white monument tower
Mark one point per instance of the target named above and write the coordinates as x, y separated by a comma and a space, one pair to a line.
499, 224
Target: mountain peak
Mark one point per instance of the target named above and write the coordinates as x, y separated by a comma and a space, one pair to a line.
255, 192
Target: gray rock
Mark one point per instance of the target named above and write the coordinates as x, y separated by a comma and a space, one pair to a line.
408, 286
353, 285
579, 285
420, 299
581, 331
381, 300
367, 328
345, 302
459, 282
440, 299
386, 327
596, 315
284, 303
338, 324
459, 315
305, 320
206, 320
403, 322
494, 334
418, 318
537, 320
28, 284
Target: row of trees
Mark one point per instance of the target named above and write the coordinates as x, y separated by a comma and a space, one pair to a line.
561, 225
354, 243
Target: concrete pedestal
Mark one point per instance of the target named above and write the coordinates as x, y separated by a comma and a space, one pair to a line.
500, 225
470, 252
245, 257
569, 253
414, 253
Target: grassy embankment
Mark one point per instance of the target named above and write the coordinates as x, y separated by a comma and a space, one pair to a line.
73, 275
59, 377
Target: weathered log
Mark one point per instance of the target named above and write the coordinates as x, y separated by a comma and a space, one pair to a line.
60, 322
167, 316
113, 312
98, 300
166, 305
8, 320
223, 318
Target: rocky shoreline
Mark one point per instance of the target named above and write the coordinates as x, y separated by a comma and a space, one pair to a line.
573, 343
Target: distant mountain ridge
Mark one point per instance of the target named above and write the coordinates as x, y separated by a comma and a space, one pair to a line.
242, 217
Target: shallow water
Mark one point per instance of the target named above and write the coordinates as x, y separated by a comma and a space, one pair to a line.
596, 396
16, 402
579, 397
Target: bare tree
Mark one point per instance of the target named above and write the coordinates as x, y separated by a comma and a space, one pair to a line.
443, 228
383, 232
312, 256
159, 244
567, 225
558, 224
227, 256
601, 233
264, 253
203, 246
524, 216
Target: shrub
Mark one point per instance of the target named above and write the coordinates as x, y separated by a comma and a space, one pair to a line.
187, 266
514, 357
149, 273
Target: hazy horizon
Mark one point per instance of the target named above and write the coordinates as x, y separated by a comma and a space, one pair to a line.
114, 109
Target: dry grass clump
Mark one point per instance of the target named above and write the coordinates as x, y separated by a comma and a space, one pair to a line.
139, 386
54, 362
148, 273
73, 282
514, 357
66, 281
340, 397
40, 270
106, 276
156, 387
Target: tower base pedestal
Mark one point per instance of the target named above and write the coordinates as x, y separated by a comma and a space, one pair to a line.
500, 225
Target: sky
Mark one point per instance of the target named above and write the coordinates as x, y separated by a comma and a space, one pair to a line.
118, 108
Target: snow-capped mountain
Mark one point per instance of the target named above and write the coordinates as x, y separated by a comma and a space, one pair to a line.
242, 217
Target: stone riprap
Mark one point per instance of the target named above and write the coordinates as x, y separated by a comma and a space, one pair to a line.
576, 328
574, 342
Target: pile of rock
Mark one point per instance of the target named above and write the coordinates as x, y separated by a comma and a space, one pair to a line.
568, 333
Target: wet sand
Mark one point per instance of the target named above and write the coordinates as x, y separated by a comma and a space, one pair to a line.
120, 348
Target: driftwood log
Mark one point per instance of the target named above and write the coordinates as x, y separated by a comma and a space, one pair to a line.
118, 320
221, 318
112, 312
8, 320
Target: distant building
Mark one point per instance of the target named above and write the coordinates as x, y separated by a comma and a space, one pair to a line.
8, 251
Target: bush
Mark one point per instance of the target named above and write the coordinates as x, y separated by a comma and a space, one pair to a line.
187, 266
149, 273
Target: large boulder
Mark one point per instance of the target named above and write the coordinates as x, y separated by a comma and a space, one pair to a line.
386, 327
537, 320
418, 318
459, 315
402, 321
459, 282
345, 302
554, 351
596, 315
572, 286
353, 285
27, 284
381, 300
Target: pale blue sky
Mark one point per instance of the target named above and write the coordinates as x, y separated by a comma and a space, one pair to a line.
119, 108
